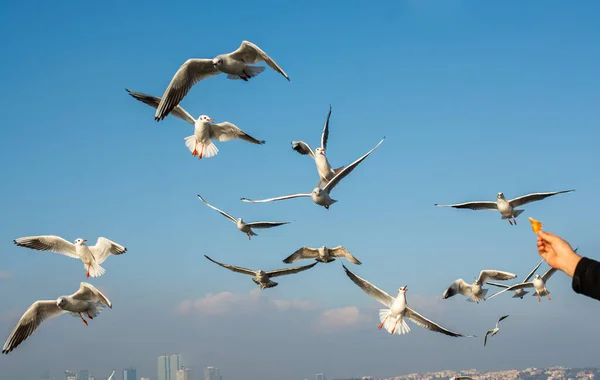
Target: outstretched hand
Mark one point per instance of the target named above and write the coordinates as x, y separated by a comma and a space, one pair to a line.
557, 252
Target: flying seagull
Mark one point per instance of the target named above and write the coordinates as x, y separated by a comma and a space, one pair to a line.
200, 143
519, 293
392, 318
237, 65
262, 278
241, 225
321, 254
493, 331
320, 194
87, 299
473, 291
326, 172
92, 256
111, 375
506, 207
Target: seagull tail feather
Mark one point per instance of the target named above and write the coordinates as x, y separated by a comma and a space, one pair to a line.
517, 212
95, 269
397, 325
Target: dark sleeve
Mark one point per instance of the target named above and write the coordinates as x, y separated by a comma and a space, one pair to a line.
586, 279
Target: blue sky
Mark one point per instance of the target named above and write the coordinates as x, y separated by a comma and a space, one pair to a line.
474, 98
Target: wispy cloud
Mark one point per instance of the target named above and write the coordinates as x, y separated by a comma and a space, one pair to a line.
5, 275
341, 318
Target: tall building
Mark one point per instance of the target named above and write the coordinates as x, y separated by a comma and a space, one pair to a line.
129, 374
211, 373
168, 366
144, 378
184, 374
320, 376
83, 375
70, 375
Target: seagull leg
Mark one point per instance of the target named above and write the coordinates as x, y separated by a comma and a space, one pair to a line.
88, 314
394, 329
248, 233
549, 297
515, 220
84, 321
510, 221
381, 324
195, 152
539, 298
88, 271
201, 151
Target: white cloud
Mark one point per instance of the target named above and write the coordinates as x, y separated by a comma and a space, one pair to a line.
5, 275
283, 305
341, 318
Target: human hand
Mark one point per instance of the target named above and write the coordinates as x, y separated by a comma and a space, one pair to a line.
557, 252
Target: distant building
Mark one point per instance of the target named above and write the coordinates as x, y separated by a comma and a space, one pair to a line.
83, 375
129, 374
320, 376
70, 375
212, 373
168, 365
144, 378
184, 374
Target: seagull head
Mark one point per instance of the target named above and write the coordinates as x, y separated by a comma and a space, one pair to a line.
538, 277
79, 241
500, 195
260, 272
320, 151
61, 302
217, 62
205, 118
317, 191
402, 290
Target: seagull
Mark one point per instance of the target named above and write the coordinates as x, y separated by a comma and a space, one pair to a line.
493, 331
241, 225
235, 64
474, 292
506, 207
111, 375
322, 255
204, 129
87, 299
392, 319
326, 172
92, 256
320, 194
519, 293
262, 278
538, 283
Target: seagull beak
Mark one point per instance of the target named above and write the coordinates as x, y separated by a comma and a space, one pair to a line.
404, 288
84, 240
210, 119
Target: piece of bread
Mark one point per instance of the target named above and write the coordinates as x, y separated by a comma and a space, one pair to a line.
535, 225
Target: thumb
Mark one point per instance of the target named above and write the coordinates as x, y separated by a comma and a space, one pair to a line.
547, 236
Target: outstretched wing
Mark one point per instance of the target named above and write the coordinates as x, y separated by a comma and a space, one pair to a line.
266, 224
491, 274
275, 199
249, 53
486, 335
477, 205
105, 247
286, 271
302, 148
520, 201
348, 169
523, 285
458, 287
501, 318
226, 131
546, 276
373, 291
340, 251
217, 210
325, 134
302, 253
29, 322
532, 272
52, 243
429, 324
88, 292
153, 101
233, 268
498, 285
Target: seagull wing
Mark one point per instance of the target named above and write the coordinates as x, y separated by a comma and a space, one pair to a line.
29, 322
340, 251
477, 205
490, 274
325, 134
275, 199
458, 287
520, 201
105, 247
302, 148
217, 210
532, 272
111, 375
286, 271
52, 243
523, 285
501, 318
88, 292
191, 72
373, 291
498, 285
266, 224
348, 169
486, 335
233, 268
429, 324
546, 276
226, 131
249, 53
153, 101
302, 253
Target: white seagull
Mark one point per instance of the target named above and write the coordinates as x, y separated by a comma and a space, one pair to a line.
241, 225
87, 299
321, 254
235, 64
320, 194
474, 291
92, 256
111, 375
538, 283
204, 130
493, 331
519, 293
506, 207
262, 278
392, 318
326, 172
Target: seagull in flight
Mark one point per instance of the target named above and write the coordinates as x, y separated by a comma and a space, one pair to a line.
494, 331
241, 225
326, 172
392, 318
111, 375
474, 291
519, 293
237, 65
321, 194
87, 299
262, 278
321, 254
204, 129
506, 207
92, 256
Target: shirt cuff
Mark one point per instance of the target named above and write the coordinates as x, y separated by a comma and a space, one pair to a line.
579, 274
